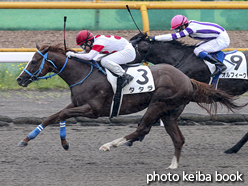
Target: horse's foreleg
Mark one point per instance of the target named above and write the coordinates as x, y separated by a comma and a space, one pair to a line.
64, 142
84, 111
49, 120
31, 135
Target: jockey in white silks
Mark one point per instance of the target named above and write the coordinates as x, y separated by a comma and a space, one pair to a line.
214, 38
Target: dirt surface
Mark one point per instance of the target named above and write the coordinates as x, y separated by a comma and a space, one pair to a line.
27, 39
45, 162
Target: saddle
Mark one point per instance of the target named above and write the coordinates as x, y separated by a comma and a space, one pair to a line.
220, 55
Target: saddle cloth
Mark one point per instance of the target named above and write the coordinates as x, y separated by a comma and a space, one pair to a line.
142, 81
235, 62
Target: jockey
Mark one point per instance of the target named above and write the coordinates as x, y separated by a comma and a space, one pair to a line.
214, 38
120, 50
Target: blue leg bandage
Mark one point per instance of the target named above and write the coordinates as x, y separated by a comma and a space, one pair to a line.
62, 130
35, 132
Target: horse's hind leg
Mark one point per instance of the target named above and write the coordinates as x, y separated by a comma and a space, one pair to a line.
171, 126
130, 143
151, 115
169, 116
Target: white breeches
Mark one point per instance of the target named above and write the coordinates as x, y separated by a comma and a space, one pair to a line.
113, 61
215, 45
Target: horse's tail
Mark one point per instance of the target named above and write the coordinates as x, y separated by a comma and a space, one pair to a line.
208, 98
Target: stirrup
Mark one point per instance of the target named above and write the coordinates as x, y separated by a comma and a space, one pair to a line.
218, 70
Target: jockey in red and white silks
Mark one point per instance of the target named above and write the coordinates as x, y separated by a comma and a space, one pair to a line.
120, 50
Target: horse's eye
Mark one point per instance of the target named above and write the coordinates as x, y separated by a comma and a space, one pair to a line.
33, 62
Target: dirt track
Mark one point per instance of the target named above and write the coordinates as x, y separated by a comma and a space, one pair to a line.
45, 162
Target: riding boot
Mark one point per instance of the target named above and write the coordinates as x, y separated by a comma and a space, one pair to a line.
220, 67
126, 79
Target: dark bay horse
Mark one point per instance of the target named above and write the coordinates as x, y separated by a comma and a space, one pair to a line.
183, 58
92, 97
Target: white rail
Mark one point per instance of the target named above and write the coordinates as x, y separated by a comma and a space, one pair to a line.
15, 57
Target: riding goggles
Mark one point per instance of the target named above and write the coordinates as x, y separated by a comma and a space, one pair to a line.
83, 46
178, 29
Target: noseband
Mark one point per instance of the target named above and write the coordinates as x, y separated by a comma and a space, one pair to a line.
34, 76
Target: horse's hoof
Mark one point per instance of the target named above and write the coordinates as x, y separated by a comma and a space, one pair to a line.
171, 167
129, 143
103, 148
231, 151
66, 146
141, 138
22, 144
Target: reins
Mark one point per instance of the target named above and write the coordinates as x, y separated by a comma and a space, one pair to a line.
93, 64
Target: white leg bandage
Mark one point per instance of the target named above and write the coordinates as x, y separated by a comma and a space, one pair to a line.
115, 143
174, 163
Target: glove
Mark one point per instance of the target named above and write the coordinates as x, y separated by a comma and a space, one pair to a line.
150, 39
70, 54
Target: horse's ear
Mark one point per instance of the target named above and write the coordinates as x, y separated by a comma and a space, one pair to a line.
145, 34
37, 46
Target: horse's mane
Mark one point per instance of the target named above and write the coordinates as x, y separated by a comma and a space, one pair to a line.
58, 48
143, 36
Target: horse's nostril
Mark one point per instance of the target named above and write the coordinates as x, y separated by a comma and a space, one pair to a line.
18, 79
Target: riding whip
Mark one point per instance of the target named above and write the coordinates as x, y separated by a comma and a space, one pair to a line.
132, 18
64, 30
